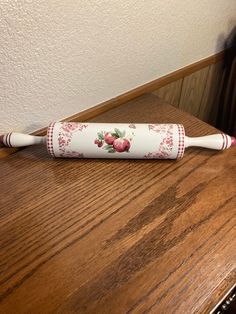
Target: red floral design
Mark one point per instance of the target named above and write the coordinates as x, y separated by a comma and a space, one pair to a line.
166, 144
64, 138
73, 126
72, 154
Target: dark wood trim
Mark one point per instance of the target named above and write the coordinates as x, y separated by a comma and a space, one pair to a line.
136, 92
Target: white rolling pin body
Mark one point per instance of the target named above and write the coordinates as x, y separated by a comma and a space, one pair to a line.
119, 140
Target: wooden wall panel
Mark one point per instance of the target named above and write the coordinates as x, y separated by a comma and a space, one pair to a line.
209, 105
195, 93
192, 91
171, 92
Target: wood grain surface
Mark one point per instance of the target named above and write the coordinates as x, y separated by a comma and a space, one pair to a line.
196, 93
193, 90
170, 93
209, 104
120, 236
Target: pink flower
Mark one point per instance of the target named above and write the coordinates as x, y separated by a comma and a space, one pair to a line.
169, 141
72, 126
82, 126
109, 138
121, 145
61, 140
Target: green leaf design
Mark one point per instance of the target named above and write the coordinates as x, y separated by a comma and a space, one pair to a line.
100, 136
118, 132
123, 134
107, 147
111, 150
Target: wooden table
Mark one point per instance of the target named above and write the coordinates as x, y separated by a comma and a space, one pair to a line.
100, 236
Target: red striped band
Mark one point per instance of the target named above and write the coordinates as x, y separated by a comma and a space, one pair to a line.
224, 142
226, 137
50, 139
181, 144
7, 140
10, 139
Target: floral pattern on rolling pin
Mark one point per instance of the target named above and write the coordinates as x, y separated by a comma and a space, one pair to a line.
166, 145
64, 138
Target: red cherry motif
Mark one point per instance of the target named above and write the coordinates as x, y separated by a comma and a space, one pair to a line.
109, 138
99, 143
127, 145
115, 141
121, 145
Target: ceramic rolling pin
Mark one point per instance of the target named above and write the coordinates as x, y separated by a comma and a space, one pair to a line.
118, 140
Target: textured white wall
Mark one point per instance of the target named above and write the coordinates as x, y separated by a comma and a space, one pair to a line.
59, 57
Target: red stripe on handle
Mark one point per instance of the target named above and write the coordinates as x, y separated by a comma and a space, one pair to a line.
10, 140
226, 141
7, 144
223, 145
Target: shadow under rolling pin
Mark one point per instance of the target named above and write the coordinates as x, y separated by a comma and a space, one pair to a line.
118, 140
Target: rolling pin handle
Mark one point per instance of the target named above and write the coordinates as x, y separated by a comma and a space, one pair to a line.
20, 140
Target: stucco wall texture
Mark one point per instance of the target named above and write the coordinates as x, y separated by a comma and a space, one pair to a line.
59, 57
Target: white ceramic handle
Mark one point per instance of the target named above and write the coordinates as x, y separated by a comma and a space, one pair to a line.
216, 141
19, 140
